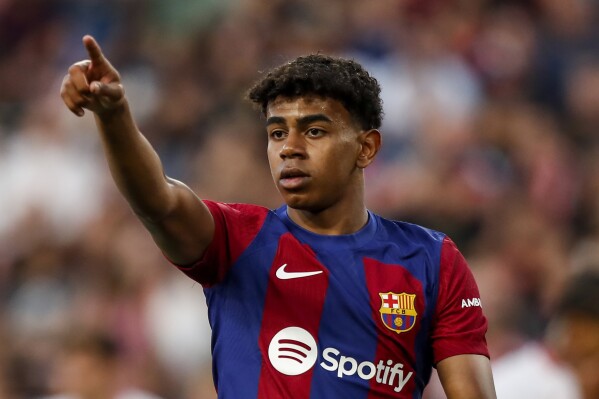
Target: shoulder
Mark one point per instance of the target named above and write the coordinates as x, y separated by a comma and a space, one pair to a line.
240, 209
410, 232
419, 236
246, 219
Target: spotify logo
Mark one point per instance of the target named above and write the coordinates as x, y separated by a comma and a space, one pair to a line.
292, 351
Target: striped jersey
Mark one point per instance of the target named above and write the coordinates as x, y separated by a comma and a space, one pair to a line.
300, 315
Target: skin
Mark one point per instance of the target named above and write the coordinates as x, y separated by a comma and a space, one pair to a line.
467, 377
179, 222
317, 154
576, 339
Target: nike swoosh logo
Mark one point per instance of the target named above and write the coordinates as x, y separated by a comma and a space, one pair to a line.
285, 275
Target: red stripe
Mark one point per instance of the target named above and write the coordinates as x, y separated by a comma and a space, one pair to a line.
399, 348
294, 302
235, 227
455, 330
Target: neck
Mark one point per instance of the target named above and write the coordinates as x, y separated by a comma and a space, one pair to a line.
341, 218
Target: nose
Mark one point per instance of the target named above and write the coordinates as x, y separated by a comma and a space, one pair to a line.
293, 147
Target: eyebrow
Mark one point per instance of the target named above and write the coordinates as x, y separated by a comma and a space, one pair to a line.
275, 120
304, 120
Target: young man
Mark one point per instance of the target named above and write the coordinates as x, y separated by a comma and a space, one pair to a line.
320, 298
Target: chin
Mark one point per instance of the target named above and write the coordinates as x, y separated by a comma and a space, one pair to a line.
304, 204
297, 201
306, 200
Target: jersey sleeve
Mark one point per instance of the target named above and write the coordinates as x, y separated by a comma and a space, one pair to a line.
459, 325
235, 227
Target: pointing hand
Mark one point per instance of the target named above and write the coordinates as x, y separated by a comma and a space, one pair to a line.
93, 84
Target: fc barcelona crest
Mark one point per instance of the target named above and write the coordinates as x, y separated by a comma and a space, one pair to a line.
398, 312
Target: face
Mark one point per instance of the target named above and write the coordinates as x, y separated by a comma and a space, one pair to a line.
577, 340
314, 149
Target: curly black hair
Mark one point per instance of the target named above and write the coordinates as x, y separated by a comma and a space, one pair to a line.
340, 79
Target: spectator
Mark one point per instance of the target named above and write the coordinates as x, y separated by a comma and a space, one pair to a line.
575, 330
89, 368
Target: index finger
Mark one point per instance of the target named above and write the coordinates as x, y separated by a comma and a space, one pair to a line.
93, 49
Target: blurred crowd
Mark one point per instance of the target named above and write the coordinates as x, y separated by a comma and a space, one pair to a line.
491, 135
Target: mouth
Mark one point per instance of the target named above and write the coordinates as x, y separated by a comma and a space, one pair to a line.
293, 178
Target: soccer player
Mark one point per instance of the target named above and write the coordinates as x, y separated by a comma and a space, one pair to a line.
320, 298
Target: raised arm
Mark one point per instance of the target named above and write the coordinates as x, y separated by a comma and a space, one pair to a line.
179, 222
466, 377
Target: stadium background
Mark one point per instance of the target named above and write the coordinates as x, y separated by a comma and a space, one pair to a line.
490, 135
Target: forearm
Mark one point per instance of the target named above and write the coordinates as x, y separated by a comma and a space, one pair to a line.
178, 220
134, 164
467, 377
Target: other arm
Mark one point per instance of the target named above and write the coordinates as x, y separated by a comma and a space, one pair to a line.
466, 377
459, 345
178, 220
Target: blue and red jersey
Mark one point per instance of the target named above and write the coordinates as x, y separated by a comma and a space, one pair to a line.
300, 315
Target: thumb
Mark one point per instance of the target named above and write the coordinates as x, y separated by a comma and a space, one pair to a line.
112, 91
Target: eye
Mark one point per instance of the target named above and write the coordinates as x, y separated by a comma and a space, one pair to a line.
314, 132
277, 134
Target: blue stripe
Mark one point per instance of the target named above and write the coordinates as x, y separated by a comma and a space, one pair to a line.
235, 315
348, 328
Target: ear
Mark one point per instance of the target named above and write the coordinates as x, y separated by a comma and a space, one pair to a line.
370, 143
